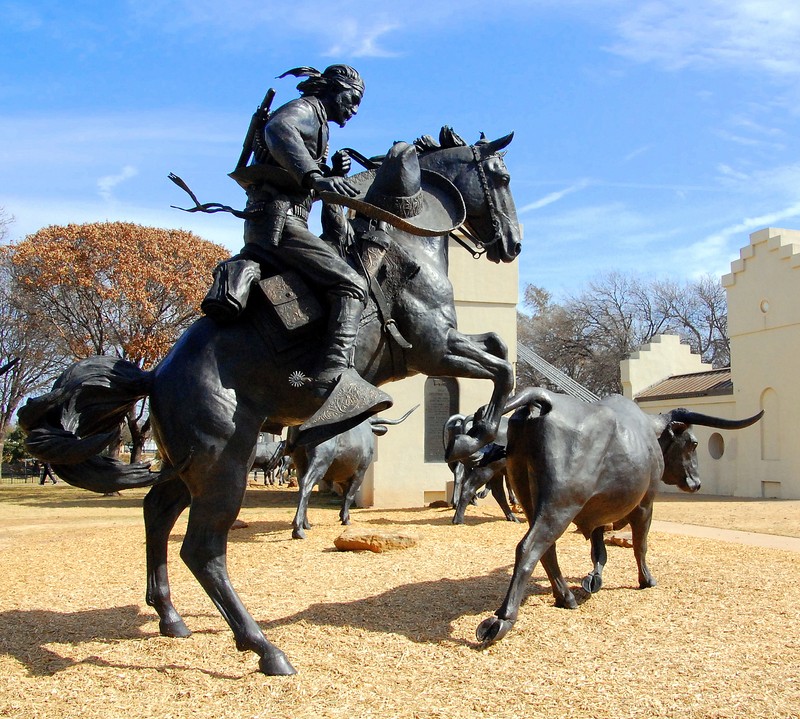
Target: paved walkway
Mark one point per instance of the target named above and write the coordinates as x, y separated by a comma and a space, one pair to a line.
771, 541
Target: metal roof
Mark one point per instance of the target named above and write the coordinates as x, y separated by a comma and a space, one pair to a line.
697, 384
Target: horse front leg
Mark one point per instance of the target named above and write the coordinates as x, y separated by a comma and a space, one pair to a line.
482, 356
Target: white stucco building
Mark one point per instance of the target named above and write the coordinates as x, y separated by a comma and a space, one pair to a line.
409, 469
763, 290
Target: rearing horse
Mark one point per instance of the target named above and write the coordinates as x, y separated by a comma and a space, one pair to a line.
219, 385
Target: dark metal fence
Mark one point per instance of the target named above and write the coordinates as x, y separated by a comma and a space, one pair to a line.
19, 472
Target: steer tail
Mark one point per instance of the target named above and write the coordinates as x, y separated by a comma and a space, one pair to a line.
70, 425
529, 398
378, 423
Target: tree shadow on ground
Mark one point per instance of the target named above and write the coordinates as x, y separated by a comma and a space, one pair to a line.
424, 611
26, 633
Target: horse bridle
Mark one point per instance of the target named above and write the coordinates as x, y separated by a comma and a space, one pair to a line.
482, 245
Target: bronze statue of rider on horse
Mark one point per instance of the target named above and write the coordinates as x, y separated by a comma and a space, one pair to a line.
283, 169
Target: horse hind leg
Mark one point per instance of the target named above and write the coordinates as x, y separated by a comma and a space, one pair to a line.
215, 505
162, 506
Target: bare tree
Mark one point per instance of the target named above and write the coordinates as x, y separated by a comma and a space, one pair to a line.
589, 334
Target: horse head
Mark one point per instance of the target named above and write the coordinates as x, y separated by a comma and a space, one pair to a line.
480, 174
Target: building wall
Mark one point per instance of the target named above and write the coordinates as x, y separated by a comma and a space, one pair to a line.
763, 290
486, 297
662, 357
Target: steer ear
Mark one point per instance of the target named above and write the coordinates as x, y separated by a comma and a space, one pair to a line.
678, 427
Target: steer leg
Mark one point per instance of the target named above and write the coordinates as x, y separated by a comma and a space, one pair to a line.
497, 486
561, 591
640, 519
318, 464
347, 501
541, 535
594, 580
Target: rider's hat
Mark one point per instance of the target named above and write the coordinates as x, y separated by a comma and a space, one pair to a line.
420, 202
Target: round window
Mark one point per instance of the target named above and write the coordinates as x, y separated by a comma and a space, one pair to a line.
716, 445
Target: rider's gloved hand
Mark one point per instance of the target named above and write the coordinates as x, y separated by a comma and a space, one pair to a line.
339, 185
340, 163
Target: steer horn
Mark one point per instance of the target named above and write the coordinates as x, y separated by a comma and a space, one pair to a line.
688, 417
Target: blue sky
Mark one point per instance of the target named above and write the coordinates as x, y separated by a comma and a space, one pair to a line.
651, 137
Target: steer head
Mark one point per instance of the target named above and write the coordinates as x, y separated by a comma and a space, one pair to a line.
679, 444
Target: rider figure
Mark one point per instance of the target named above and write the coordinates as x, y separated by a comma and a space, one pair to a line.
291, 154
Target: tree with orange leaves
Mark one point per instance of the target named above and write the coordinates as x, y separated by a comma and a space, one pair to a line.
114, 288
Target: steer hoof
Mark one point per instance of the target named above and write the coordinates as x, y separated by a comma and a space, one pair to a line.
591, 583
177, 629
276, 665
493, 629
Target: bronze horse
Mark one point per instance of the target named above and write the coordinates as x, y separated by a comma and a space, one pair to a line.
235, 381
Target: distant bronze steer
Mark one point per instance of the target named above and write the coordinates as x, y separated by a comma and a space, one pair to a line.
485, 468
343, 459
591, 464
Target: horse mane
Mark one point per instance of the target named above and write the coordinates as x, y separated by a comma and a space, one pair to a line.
447, 138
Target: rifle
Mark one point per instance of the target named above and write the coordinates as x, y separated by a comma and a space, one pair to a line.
259, 119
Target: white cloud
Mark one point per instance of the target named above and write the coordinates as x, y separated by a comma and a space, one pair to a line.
106, 184
553, 197
742, 34
355, 40
714, 252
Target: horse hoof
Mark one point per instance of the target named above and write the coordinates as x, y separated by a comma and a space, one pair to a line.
512, 518
567, 602
177, 630
276, 665
493, 629
458, 520
647, 583
591, 583
298, 533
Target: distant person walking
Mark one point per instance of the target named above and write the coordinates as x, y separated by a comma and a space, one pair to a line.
45, 473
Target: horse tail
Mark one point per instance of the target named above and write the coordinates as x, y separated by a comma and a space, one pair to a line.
69, 426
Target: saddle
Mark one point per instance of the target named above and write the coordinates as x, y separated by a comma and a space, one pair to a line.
287, 312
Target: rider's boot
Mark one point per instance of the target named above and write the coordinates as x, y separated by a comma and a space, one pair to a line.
374, 244
228, 295
349, 399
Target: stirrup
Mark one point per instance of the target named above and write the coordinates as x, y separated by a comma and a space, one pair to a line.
351, 401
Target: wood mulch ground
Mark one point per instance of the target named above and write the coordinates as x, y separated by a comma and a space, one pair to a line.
393, 634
